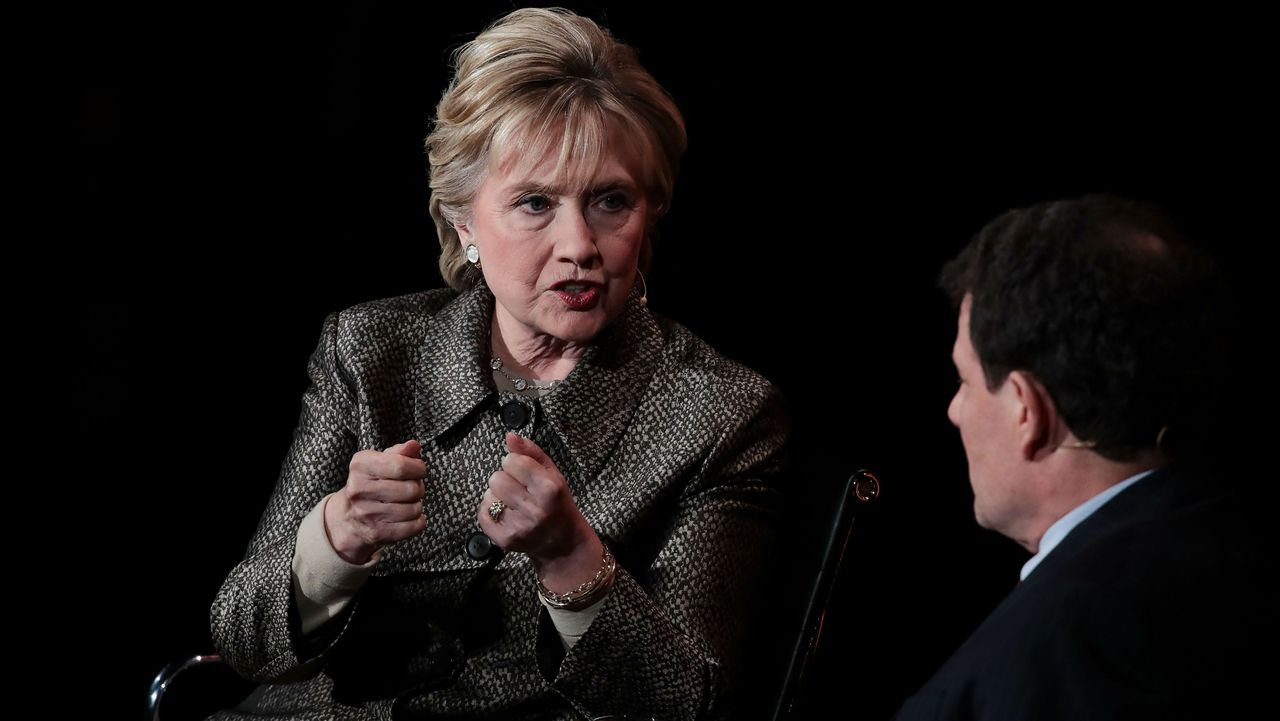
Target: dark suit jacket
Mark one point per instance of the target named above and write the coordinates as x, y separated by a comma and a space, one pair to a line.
670, 450
1157, 606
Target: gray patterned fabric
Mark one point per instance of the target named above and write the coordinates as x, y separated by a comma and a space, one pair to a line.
671, 450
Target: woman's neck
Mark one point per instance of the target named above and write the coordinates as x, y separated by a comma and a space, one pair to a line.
530, 354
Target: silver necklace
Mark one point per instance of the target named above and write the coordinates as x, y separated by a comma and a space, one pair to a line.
521, 384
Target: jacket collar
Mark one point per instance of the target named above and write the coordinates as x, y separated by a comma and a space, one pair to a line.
588, 412
450, 379
595, 404
1155, 495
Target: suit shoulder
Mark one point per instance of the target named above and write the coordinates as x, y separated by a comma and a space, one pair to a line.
421, 304
691, 362
377, 326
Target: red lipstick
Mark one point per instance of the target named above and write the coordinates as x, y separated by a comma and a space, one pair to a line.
578, 296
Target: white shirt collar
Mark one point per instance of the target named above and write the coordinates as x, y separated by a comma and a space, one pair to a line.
1061, 527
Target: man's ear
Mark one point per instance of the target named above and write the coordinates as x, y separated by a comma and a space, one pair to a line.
1036, 416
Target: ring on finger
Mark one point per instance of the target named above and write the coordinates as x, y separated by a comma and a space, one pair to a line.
495, 510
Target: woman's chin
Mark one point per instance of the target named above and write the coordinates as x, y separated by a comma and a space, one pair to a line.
577, 327
577, 333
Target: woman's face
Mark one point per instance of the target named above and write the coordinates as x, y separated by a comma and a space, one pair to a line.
559, 262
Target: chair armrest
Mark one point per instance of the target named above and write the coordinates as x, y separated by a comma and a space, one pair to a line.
166, 677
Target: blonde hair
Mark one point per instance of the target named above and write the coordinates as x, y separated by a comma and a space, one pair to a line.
539, 80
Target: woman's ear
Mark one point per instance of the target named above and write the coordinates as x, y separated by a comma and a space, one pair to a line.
464, 232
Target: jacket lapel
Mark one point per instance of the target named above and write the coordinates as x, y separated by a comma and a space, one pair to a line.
589, 412
449, 380
594, 406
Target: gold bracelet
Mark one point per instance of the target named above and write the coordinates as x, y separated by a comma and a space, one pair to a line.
587, 592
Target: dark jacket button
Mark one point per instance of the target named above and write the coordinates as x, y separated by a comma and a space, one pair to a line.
514, 414
479, 546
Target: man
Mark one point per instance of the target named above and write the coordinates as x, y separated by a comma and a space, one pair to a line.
1092, 351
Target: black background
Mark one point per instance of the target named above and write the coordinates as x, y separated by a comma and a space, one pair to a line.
262, 168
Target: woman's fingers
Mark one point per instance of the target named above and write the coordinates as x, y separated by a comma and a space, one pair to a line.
381, 503
519, 445
508, 488
538, 514
389, 465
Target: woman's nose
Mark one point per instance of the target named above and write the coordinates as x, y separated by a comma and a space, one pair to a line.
576, 240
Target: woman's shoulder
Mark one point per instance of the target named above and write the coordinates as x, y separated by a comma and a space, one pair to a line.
690, 358
375, 326
423, 304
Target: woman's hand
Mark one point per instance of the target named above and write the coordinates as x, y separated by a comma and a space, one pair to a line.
381, 503
539, 517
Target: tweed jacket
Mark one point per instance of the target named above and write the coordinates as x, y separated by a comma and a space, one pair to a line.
672, 453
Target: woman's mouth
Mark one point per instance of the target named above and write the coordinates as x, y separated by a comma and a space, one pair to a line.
578, 296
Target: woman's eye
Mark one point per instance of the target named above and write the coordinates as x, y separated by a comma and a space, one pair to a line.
612, 201
535, 203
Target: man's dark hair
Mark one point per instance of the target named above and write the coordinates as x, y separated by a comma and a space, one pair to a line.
1104, 302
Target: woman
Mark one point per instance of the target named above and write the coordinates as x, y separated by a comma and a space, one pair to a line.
572, 496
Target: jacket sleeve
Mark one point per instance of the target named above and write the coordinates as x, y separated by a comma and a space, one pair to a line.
254, 618
668, 648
